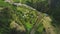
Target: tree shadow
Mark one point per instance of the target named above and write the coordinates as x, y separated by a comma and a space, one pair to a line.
14, 31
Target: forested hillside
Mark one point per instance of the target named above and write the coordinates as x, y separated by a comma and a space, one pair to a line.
29, 17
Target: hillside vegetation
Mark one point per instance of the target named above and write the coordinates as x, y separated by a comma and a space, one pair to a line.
28, 17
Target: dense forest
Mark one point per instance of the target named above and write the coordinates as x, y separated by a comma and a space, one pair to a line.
29, 17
